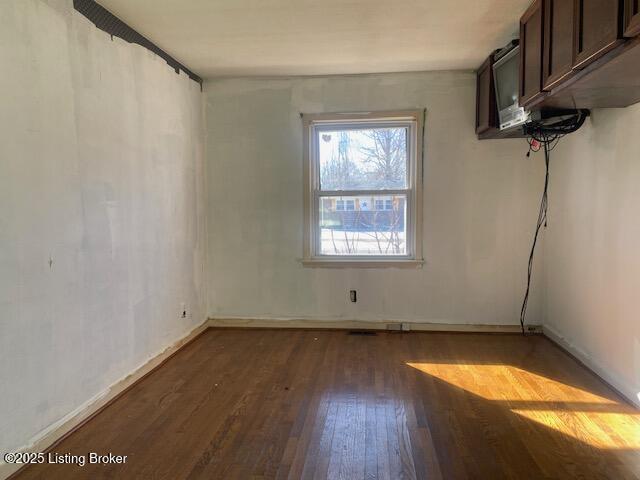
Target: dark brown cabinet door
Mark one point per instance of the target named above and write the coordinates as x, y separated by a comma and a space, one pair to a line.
631, 18
559, 20
597, 29
531, 43
486, 112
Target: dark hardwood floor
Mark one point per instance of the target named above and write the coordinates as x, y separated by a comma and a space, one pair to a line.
249, 404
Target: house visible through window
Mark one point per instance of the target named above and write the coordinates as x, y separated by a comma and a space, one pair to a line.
363, 194
342, 205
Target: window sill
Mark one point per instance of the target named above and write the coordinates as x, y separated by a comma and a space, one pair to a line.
358, 263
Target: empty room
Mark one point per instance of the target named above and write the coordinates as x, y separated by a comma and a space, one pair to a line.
351, 239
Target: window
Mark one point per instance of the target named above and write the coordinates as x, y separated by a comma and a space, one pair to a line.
363, 188
342, 205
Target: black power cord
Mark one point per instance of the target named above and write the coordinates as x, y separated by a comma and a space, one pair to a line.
542, 220
546, 137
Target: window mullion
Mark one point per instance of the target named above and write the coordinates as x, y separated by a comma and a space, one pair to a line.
360, 193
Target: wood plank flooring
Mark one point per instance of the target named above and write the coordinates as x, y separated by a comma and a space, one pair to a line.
262, 404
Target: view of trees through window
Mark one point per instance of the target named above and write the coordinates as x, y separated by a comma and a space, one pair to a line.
374, 159
369, 168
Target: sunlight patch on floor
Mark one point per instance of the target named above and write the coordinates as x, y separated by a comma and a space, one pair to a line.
575, 412
514, 383
600, 430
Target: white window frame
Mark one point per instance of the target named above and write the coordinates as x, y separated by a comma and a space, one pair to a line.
314, 123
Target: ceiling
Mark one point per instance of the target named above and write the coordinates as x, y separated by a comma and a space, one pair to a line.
217, 38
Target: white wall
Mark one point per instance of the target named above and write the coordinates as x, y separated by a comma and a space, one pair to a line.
101, 173
592, 249
480, 206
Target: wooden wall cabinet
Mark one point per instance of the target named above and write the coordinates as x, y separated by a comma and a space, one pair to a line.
531, 43
631, 18
559, 23
486, 109
597, 29
575, 54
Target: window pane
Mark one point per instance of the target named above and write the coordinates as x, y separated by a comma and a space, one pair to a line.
363, 159
346, 228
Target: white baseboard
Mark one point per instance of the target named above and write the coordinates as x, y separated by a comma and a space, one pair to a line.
74, 419
262, 322
592, 364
